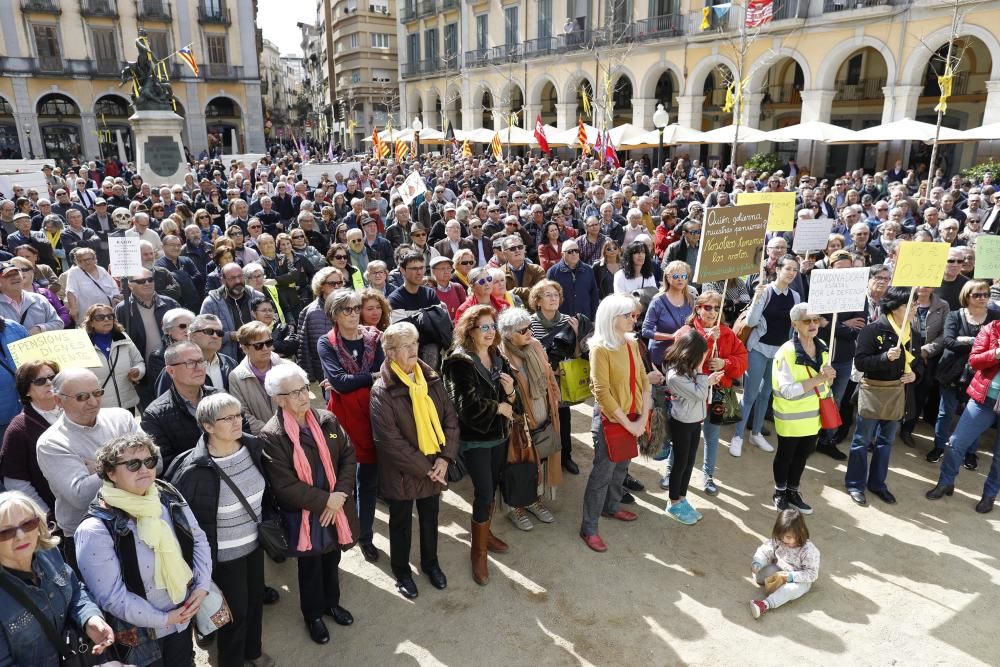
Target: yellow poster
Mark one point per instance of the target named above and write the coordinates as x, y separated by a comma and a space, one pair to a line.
782, 217
920, 264
70, 348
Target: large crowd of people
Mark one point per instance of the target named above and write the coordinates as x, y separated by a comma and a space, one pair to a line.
291, 353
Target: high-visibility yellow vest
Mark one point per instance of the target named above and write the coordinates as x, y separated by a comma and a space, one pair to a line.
798, 417
357, 280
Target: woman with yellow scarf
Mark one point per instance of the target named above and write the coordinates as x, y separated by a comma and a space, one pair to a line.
415, 429
157, 545
888, 357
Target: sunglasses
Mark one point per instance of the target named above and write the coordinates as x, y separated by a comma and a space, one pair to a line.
262, 344
515, 248
571, 251
210, 332
710, 308
141, 281
524, 330
350, 310
679, 276
811, 320
980, 295
353, 241
28, 526
466, 263
486, 328
340, 257
693, 232
484, 281
955, 261
46, 379
334, 283
418, 235
84, 396
133, 465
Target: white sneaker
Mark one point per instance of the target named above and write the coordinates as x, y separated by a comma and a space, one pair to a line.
761, 442
736, 446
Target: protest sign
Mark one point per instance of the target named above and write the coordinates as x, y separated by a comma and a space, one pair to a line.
732, 242
920, 264
314, 172
987, 257
126, 256
70, 348
838, 290
28, 180
782, 218
412, 187
811, 235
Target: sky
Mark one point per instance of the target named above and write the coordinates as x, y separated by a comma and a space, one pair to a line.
278, 19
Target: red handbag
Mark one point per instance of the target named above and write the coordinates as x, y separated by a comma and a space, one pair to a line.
622, 445
829, 414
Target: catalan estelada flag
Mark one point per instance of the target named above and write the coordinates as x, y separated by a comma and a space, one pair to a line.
466, 149
402, 150
581, 138
187, 55
495, 147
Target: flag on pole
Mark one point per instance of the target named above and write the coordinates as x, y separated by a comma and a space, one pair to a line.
187, 55
581, 137
543, 143
599, 146
402, 150
449, 136
466, 149
759, 12
609, 150
377, 144
496, 148
329, 150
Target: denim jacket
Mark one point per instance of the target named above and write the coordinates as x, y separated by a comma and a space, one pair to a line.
59, 594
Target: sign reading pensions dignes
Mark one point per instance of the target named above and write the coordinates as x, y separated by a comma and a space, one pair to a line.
70, 348
732, 242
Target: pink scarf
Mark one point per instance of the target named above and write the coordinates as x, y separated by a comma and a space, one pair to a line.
304, 471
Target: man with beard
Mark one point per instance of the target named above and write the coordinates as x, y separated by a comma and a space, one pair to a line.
231, 304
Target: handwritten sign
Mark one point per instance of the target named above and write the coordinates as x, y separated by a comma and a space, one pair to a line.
838, 290
987, 257
811, 235
70, 348
732, 242
412, 187
126, 256
314, 172
920, 264
782, 208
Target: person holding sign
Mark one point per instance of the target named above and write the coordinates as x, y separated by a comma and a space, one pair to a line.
888, 356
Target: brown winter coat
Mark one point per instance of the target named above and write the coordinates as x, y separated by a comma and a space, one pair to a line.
293, 495
402, 468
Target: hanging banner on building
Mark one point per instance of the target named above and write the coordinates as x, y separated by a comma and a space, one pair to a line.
732, 242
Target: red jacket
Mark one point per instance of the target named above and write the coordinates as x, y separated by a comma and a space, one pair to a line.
983, 359
729, 348
664, 237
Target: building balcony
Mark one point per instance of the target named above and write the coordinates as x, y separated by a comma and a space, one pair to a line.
99, 8
830, 6
214, 11
41, 6
108, 67
658, 27
408, 12
426, 8
862, 89
449, 4
153, 10
48, 65
429, 66
221, 72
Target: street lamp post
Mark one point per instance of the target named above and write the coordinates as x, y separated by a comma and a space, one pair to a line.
31, 151
417, 126
660, 119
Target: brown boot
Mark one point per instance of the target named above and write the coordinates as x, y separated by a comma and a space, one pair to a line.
494, 543
480, 535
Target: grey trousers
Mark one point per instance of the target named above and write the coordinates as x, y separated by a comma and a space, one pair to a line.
604, 487
785, 593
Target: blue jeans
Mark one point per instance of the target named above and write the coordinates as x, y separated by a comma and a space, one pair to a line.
946, 416
858, 470
975, 420
756, 392
710, 432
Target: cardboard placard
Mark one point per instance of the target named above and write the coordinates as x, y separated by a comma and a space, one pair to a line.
314, 172
412, 187
31, 179
811, 235
920, 264
126, 256
70, 348
782, 208
838, 290
987, 257
732, 242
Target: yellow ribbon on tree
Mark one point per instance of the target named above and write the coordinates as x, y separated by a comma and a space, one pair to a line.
430, 435
585, 102
351, 124
944, 83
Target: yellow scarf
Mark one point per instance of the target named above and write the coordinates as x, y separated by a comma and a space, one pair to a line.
430, 435
54, 242
171, 573
904, 339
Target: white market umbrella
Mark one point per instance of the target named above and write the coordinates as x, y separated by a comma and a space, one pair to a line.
904, 130
725, 135
625, 132
989, 132
569, 137
391, 135
516, 136
813, 131
672, 135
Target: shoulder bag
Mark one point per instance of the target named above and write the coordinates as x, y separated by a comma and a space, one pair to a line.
829, 414
520, 474
74, 648
884, 400
574, 380
621, 444
271, 533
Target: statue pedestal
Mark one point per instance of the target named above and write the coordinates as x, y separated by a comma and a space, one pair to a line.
159, 151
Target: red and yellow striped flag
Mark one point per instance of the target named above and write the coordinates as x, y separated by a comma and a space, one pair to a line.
376, 144
402, 150
466, 149
495, 147
581, 137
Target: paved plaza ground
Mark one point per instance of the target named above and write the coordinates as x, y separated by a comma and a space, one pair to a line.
905, 584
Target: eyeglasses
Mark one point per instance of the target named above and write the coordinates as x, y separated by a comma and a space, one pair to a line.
710, 308
210, 332
418, 234
955, 261
231, 419
466, 263
46, 379
255, 227
631, 316
486, 280
350, 310
980, 295
254, 276
881, 279
301, 392
133, 465
333, 283
340, 257
679, 276
571, 251
486, 328
141, 281
103, 317
7, 534
353, 241
693, 232
515, 248
26, 271
524, 330
84, 396
191, 364
262, 344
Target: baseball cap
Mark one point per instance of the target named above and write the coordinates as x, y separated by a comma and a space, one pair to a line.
100, 201
440, 259
20, 216
6, 267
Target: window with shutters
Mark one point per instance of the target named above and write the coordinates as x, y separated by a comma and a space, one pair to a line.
47, 44
431, 45
159, 43
218, 62
105, 52
482, 32
354, 40
544, 18
510, 24
451, 41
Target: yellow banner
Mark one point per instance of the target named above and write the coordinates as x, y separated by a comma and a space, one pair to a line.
782, 217
70, 348
920, 264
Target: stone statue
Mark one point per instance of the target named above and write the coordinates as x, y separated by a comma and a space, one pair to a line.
150, 89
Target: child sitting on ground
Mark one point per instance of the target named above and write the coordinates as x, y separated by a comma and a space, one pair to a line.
786, 565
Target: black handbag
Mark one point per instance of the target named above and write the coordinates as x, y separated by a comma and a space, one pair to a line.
520, 474
270, 532
457, 470
74, 648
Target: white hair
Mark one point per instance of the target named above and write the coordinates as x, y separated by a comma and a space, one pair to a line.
275, 379
610, 309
